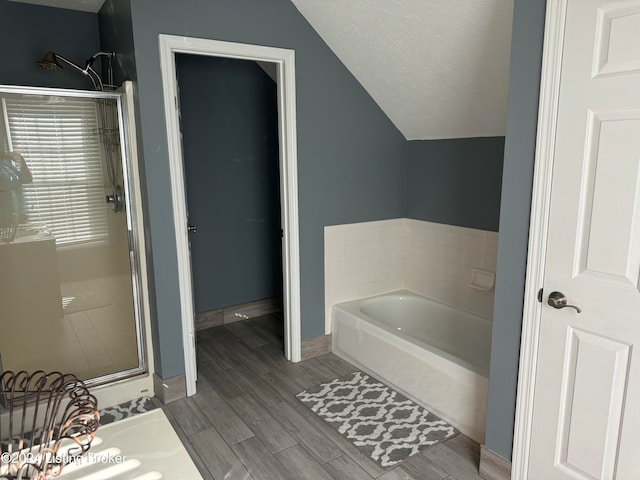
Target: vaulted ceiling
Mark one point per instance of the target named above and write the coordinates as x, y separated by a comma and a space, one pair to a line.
92, 6
437, 68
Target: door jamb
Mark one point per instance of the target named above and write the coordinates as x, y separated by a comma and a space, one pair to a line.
538, 231
285, 62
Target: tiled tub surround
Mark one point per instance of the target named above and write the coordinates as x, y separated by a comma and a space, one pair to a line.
431, 259
361, 260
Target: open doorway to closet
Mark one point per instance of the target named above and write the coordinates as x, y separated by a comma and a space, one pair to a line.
229, 125
171, 47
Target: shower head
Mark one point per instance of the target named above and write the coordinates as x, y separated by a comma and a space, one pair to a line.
49, 62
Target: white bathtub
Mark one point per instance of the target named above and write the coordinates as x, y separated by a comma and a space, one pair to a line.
431, 352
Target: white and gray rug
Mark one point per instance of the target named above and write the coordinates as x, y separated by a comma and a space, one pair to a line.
107, 415
127, 409
382, 423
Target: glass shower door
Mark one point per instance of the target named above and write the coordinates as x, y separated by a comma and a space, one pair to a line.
68, 289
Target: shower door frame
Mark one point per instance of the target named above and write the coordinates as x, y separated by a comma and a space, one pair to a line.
124, 385
170, 45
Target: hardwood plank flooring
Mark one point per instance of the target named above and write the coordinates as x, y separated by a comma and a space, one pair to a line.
246, 423
264, 426
301, 464
344, 468
260, 463
319, 446
229, 425
218, 458
190, 418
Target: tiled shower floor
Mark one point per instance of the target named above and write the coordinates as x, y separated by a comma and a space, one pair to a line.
92, 340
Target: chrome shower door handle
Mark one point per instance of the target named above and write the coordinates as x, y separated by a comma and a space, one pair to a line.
559, 300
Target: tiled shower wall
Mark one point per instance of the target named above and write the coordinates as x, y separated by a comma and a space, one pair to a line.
431, 259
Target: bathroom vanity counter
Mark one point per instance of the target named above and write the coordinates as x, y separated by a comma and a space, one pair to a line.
144, 446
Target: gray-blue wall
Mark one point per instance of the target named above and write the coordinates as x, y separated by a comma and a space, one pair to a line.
229, 120
455, 181
350, 155
520, 144
27, 32
116, 35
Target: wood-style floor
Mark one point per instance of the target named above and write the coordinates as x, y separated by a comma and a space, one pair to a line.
246, 423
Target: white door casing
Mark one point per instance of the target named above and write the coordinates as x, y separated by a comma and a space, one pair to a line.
285, 62
579, 381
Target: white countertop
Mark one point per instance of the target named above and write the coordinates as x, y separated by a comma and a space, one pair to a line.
142, 447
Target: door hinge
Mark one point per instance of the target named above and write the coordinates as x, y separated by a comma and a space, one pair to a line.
540, 295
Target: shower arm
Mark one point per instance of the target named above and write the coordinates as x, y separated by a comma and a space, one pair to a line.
97, 79
89, 67
87, 71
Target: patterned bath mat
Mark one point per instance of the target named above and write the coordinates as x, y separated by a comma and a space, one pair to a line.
127, 409
107, 415
383, 424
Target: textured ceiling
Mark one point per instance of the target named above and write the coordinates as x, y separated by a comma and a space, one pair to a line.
82, 5
437, 68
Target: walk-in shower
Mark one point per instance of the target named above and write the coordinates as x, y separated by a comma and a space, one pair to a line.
70, 285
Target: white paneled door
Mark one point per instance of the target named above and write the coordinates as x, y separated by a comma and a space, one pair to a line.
586, 412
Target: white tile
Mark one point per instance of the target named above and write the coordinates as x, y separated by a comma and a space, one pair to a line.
349, 265
492, 246
350, 237
382, 286
452, 254
429, 258
470, 243
452, 239
349, 291
370, 289
396, 284
330, 239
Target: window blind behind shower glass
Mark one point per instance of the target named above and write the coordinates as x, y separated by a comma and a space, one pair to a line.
60, 144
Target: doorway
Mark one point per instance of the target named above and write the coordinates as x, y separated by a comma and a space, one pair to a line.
284, 60
229, 125
578, 379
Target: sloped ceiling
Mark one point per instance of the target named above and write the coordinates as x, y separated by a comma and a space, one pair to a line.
92, 6
437, 68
